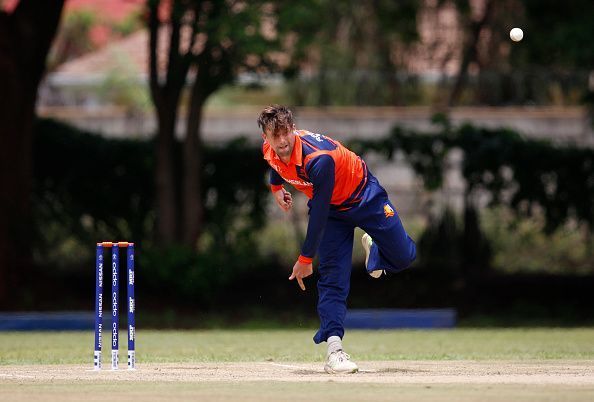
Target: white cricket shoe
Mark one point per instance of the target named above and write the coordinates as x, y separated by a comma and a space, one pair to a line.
367, 241
340, 362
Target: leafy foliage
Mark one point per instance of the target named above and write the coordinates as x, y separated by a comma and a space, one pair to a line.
363, 44
526, 173
74, 38
558, 35
90, 188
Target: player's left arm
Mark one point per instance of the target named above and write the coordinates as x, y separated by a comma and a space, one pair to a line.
320, 171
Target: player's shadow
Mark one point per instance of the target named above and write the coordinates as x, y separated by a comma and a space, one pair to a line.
307, 372
387, 370
393, 370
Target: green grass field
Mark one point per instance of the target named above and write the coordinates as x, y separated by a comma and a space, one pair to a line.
460, 364
296, 345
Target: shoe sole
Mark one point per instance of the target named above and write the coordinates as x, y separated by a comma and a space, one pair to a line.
378, 272
329, 370
366, 247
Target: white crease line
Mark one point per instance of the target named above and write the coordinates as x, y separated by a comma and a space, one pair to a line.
288, 366
305, 368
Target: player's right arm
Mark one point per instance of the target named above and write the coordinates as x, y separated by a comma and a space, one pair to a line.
321, 173
282, 197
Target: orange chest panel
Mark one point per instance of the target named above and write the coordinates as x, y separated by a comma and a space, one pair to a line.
292, 172
349, 172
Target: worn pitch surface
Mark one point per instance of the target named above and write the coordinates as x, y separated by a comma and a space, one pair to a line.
405, 372
571, 380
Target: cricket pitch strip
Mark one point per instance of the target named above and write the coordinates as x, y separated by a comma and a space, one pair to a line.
268, 381
559, 372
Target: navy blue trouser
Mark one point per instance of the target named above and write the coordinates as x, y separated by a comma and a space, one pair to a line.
393, 250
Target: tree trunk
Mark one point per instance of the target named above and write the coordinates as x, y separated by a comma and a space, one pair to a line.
323, 91
387, 68
192, 188
25, 38
165, 177
166, 93
470, 52
15, 175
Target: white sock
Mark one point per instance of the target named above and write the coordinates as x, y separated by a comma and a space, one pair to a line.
334, 344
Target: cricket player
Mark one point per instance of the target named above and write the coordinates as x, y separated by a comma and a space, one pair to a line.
343, 194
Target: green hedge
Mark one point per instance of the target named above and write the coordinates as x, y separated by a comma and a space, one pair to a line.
89, 188
536, 173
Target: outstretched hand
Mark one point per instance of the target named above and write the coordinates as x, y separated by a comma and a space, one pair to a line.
301, 271
283, 199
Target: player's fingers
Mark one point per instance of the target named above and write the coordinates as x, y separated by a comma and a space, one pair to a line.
292, 276
301, 284
283, 205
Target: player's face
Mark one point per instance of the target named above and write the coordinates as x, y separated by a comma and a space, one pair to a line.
282, 141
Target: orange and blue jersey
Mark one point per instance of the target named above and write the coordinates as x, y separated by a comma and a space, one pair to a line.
343, 195
329, 174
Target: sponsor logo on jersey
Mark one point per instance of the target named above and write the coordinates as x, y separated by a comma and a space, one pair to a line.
388, 211
298, 182
317, 137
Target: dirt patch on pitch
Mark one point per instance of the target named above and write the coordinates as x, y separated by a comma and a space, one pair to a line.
557, 372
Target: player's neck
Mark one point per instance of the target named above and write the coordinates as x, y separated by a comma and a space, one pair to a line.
285, 159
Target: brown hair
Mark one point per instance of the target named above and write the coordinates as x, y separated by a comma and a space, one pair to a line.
275, 117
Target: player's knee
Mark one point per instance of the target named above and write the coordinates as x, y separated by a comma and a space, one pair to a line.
406, 259
412, 255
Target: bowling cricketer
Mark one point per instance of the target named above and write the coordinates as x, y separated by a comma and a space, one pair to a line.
343, 194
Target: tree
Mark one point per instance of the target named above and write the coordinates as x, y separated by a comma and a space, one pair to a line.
362, 43
558, 39
396, 28
473, 29
558, 35
26, 35
74, 38
208, 44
